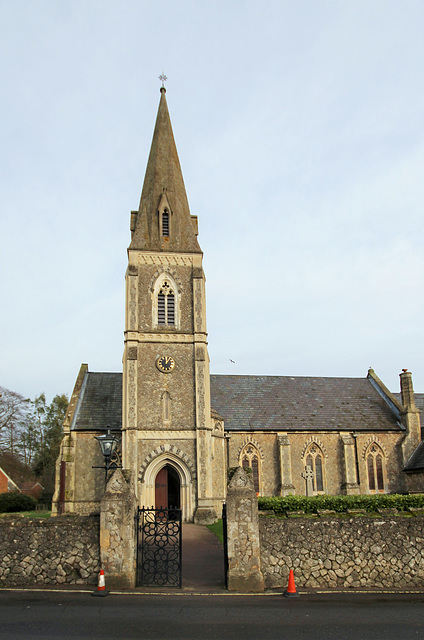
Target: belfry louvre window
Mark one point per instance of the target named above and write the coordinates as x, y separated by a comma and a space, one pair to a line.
165, 224
171, 308
166, 306
161, 309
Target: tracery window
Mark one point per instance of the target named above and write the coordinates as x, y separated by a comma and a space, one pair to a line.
250, 458
314, 458
166, 305
375, 466
166, 299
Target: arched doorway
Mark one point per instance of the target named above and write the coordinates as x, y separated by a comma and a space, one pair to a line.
167, 488
186, 477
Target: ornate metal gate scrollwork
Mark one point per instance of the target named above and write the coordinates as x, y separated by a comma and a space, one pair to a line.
159, 547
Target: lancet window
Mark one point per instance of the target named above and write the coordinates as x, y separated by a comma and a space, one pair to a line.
250, 458
165, 302
165, 223
314, 458
166, 305
166, 406
375, 466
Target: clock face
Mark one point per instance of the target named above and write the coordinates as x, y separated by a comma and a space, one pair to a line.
165, 364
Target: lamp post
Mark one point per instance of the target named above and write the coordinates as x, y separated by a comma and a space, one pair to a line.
108, 444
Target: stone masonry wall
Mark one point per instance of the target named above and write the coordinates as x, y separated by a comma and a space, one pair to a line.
53, 551
356, 552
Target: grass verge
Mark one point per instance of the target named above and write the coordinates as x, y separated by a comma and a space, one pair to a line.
216, 528
27, 514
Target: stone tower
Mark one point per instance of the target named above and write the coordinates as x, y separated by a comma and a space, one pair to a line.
166, 416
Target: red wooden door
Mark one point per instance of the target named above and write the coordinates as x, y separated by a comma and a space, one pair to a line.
62, 487
161, 489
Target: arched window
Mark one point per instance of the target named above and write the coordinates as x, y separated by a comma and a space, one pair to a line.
166, 300
166, 407
314, 458
376, 468
166, 305
250, 458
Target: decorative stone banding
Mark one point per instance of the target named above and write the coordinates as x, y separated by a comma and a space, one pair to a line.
166, 448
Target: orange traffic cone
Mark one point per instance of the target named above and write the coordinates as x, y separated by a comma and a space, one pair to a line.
101, 589
291, 592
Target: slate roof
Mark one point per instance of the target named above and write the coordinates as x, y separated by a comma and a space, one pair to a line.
267, 403
286, 403
419, 400
100, 403
416, 461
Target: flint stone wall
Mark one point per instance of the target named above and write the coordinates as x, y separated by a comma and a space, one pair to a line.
54, 551
336, 552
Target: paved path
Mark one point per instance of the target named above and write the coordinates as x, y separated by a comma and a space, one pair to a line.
203, 559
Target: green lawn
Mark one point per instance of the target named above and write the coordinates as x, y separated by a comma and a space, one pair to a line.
27, 514
216, 528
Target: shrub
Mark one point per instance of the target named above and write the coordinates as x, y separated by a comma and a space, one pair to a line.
341, 504
13, 501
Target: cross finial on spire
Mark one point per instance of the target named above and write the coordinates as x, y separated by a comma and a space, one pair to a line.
163, 79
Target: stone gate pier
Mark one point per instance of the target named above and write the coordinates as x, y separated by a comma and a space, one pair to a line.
118, 531
244, 561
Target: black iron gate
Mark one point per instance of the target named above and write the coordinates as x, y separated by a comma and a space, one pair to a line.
159, 547
225, 536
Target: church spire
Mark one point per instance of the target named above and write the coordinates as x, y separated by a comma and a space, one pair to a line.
163, 221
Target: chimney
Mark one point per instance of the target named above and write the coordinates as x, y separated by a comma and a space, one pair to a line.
407, 390
410, 416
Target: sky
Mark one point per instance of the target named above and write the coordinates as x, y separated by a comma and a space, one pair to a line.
299, 129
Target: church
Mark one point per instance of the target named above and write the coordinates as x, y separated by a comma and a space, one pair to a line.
179, 428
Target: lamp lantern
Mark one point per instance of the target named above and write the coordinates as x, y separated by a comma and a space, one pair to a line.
108, 444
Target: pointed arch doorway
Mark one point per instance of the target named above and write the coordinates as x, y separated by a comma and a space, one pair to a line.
167, 488
185, 485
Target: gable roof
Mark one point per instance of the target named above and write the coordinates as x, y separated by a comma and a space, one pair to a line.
284, 403
27, 486
416, 461
100, 403
265, 403
11, 484
419, 400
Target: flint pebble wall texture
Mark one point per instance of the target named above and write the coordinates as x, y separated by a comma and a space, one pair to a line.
54, 551
336, 552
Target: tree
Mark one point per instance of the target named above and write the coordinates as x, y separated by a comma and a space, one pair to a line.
30, 434
48, 421
15, 468
28, 441
14, 410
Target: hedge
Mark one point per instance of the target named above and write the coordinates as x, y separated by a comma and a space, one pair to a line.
370, 503
13, 501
